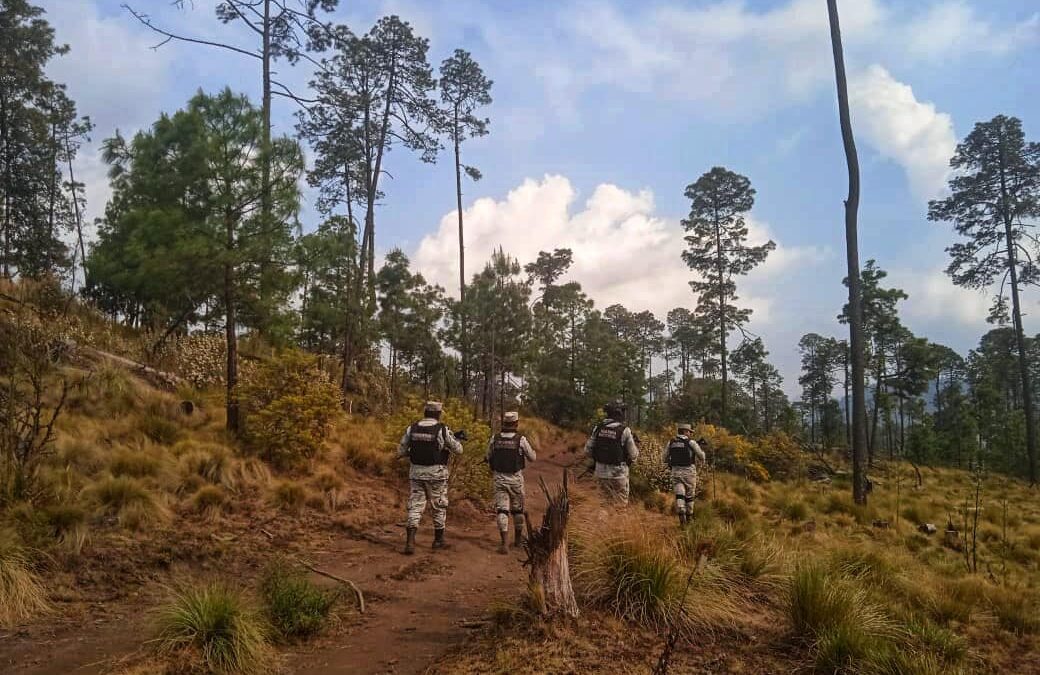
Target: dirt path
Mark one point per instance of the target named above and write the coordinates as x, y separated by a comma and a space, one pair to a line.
424, 605
418, 607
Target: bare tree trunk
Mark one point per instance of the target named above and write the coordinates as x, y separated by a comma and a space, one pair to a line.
1016, 315
546, 547
266, 225
231, 400
859, 410
462, 264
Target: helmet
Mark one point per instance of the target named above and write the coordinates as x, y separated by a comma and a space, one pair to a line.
615, 409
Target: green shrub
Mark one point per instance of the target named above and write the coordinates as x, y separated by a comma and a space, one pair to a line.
294, 606
212, 628
22, 595
290, 407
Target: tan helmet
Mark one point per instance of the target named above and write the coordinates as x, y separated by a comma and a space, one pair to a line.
685, 426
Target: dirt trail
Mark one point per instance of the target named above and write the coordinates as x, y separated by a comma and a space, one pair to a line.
424, 605
418, 607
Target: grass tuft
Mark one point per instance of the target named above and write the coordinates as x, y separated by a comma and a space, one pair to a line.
290, 495
128, 500
212, 628
22, 595
294, 606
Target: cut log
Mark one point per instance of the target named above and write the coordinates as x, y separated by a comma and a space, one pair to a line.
546, 547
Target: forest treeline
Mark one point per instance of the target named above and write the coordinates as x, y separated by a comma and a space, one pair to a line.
203, 234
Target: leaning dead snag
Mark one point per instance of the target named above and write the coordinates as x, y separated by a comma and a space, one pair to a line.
547, 555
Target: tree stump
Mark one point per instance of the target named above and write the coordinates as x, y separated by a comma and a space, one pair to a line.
550, 573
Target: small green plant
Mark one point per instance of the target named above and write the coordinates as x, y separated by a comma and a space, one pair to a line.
212, 628
294, 606
22, 595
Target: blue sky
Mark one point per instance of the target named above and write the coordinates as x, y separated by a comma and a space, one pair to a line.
605, 110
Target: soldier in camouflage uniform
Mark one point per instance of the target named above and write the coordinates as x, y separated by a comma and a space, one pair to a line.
613, 448
682, 455
428, 444
507, 453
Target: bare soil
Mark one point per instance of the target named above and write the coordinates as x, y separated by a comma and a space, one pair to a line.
418, 608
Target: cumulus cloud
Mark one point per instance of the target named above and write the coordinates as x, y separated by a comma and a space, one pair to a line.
624, 251
903, 129
934, 299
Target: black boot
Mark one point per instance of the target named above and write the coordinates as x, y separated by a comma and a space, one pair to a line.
518, 536
438, 538
409, 544
503, 547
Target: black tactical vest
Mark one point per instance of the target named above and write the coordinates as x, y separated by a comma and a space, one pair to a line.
423, 446
506, 456
680, 452
607, 447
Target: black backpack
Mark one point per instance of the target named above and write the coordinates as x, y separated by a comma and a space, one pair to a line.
506, 456
680, 452
424, 447
607, 447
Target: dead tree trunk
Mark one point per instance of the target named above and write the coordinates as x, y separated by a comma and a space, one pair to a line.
547, 556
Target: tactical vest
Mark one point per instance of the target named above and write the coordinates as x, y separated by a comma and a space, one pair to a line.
506, 456
607, 447
423, 446
680, 452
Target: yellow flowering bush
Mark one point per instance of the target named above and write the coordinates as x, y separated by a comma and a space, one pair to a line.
290, 408
731, 452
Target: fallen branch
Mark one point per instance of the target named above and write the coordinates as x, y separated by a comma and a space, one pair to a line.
347, 582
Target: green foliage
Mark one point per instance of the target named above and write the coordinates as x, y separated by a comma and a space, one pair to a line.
212, 627
294, 606
290, 407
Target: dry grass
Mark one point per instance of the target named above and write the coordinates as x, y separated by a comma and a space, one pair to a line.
129, 501
22, 595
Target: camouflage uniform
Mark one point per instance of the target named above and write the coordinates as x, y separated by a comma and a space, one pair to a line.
509, 487
613, 478
684, 479
428, 483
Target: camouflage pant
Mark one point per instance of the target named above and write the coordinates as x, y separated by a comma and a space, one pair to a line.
684, 481
434, 491
614, 490
509, 499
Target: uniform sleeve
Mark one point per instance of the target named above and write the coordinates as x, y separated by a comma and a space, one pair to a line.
402, 447
697, 451
590, 443
629, 441
452, 443
525, 447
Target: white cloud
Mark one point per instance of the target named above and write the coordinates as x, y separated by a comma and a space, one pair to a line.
901, 128
112, 75
935, 300
623, 251
954, 27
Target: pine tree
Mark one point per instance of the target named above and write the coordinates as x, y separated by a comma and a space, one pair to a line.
464, 88
718, 252
994, 204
